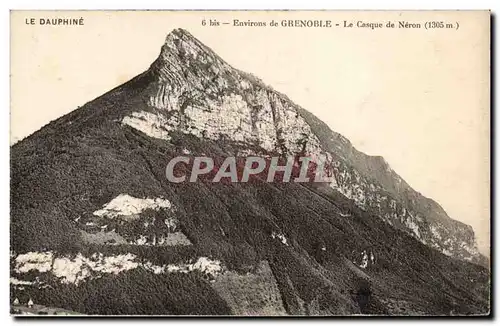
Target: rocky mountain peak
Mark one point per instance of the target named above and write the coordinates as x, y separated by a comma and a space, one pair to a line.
179, 38
185, 60
181, 43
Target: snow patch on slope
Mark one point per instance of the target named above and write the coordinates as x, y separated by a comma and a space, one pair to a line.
37, 261
281, 237
16, 281
171, 239
367, 259
128, 207
203, 264
79, 268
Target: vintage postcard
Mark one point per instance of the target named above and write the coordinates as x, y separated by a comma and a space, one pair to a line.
250, 163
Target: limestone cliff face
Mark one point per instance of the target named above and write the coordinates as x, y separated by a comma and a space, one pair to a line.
196, 92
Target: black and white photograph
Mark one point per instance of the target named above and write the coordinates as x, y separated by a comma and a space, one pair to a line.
250, 163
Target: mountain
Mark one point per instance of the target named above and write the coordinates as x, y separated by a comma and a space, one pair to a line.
96, 227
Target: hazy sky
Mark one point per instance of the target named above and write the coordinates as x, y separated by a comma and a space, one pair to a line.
418, 97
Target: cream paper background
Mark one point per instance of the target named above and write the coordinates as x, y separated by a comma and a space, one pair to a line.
418, 97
